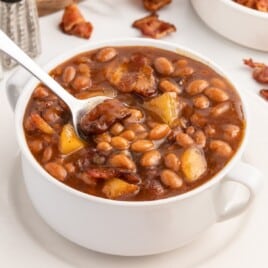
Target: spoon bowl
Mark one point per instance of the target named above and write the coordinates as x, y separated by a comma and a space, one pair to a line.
76, 106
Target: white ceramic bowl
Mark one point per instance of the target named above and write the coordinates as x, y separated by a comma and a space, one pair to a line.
243, 25
130, 228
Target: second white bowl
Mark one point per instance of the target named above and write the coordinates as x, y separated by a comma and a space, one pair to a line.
243, 25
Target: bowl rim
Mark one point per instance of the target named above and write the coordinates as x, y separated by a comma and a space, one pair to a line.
244, 9
30, 85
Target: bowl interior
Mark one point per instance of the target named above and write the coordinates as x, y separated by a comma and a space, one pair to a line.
29, 87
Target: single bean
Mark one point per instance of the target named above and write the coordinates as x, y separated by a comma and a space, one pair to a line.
163, 66
166, 85
151, 158
217, 82
84, 69
183, 72
184, 140
104, 146
36, 146
200, 138
106, 54
230, 131
142, 135
120, 143
122, 161
136, 127
82, 59
198, 120
56, 170
81, 82
220, 109
103, 137
116, 129
141, 146
159, 132
181, 63
172, 162
68, 74
216, 94
87, 179
171, 179
47, 154
40, 92
128, 134
201, 102
221, 148
197, 86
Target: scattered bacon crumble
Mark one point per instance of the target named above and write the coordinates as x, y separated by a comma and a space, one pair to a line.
260, 5
260, 74
264, 93
152, 27
260, 70
154, 5
74, 23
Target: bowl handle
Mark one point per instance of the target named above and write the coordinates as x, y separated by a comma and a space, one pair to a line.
15, 85
245, 175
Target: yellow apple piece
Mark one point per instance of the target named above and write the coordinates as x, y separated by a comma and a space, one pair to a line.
69, 141
115, 188
193, 163
164, 106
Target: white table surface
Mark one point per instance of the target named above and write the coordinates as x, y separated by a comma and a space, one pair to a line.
26, 241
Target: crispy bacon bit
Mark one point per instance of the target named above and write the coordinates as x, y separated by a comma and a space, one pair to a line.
102, 117
261, 5
74, 23
264, 93
260, 70
109, 173
135, 75
154, 5
152, 27
102, 173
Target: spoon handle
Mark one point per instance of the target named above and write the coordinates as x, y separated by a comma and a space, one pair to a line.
10, 48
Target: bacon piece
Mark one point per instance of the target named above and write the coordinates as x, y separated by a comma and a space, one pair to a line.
154, 5
102, 173
134, 75
264, 93
260, 70
74, 23
106, 173
102, 117
152, 27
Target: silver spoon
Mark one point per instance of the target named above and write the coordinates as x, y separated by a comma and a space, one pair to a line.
76, 106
